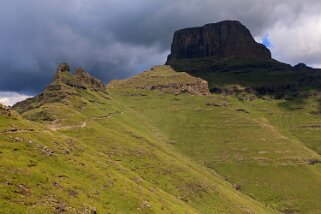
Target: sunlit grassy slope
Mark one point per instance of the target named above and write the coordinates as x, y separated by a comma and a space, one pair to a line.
83, 151
269, 149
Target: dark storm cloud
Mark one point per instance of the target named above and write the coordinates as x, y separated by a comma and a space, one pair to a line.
118, 38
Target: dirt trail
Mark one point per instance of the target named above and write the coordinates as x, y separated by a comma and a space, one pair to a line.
59, 127
83, 124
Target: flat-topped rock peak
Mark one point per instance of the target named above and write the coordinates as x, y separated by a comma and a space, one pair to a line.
226, 39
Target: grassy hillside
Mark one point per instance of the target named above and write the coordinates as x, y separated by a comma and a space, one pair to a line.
268, 149
157, 143
86, 151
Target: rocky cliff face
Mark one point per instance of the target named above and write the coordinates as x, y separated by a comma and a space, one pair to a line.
227, 39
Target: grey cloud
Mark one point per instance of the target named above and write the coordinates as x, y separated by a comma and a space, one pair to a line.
10, 98
118, 38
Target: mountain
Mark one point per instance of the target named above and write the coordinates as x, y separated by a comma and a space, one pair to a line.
221, 135
226, 55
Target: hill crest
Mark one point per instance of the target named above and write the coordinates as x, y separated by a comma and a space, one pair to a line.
166, 80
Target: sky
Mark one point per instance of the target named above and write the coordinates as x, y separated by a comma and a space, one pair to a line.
115, 39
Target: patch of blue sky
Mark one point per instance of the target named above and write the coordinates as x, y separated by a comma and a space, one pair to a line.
266, 41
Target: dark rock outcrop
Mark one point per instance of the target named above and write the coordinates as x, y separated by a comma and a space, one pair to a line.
61, 69
227, 39
199, 87
86, 80
5, 111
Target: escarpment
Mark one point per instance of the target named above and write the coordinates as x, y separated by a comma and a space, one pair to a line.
227, 39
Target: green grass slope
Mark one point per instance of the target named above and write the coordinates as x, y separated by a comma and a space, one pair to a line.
84, 151
268, 149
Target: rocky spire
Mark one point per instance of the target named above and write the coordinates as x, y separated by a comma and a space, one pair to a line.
62, 69
227, 39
